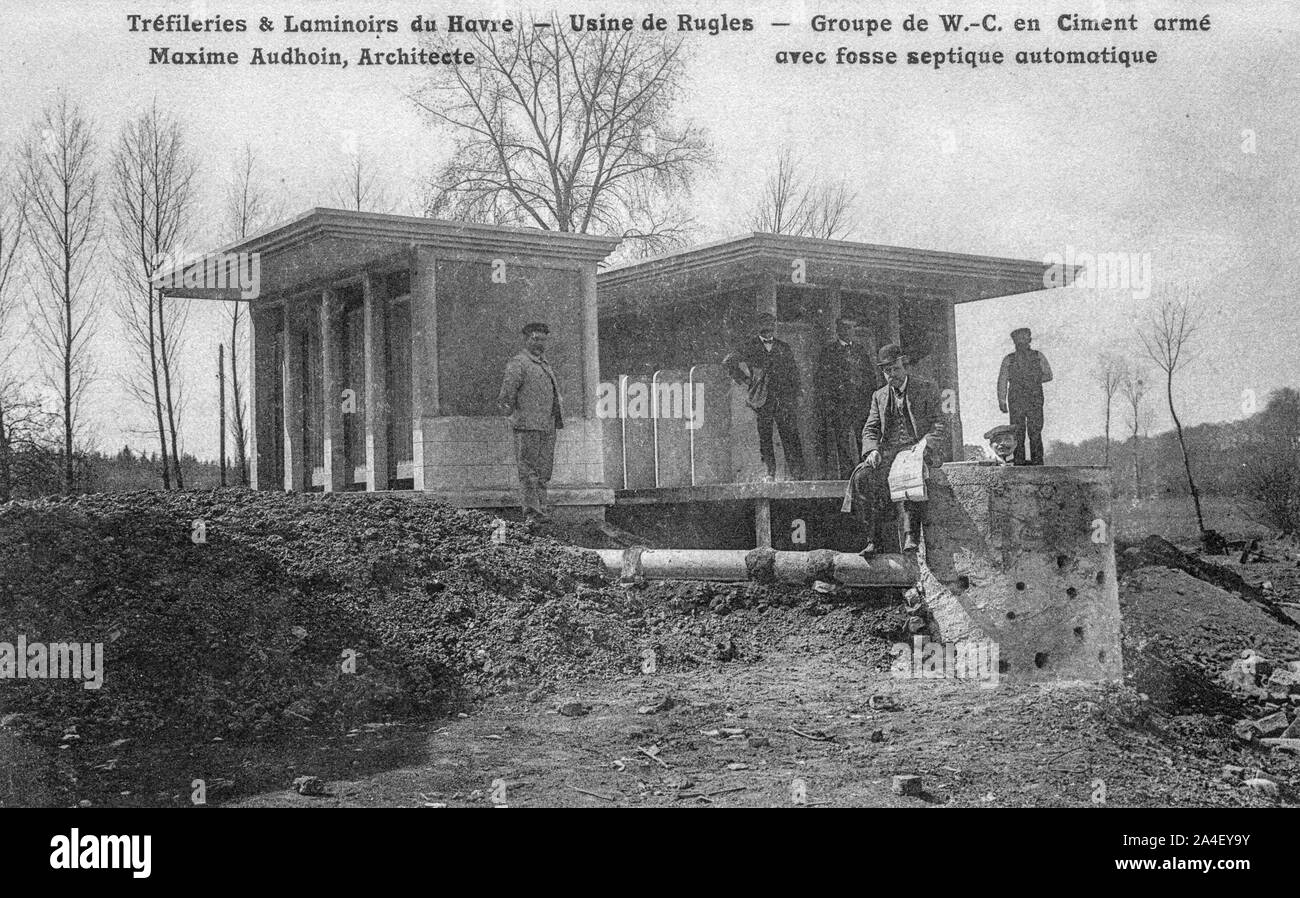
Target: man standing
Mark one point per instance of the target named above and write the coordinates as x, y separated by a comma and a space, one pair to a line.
844, 382
904, 413
1020, 393
530, 395
766, 367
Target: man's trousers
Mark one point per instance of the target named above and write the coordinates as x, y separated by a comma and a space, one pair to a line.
842, 430
535, 453
1027, 419
867, 497
781, 414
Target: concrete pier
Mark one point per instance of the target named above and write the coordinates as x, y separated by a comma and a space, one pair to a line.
1025, 556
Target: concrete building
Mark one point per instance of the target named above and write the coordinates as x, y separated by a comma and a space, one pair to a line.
378, 344
670, 320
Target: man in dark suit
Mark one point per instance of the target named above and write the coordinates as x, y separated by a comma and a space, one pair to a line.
766, 367
845, 381
904, 412
1020, 394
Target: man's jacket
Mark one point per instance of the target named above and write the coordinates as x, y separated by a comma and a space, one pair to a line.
771, 374
532, 393
845, 377
926, 418
1021, 377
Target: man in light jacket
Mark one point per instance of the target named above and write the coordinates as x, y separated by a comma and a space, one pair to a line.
530, 395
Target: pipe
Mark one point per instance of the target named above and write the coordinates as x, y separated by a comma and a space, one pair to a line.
765, 565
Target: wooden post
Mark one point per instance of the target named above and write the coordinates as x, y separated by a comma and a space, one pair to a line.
377, 409
221, 409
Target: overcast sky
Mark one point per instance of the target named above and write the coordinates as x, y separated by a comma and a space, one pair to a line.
1192, 163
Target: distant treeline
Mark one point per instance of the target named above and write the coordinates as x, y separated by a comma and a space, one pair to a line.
1256, 458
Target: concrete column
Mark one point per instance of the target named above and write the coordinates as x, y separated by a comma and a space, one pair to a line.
292, 381
834, 308
424, 355
766, 299
895, 327
763, 523
590, 345
331, 392
949, 381
377, 409
261, 336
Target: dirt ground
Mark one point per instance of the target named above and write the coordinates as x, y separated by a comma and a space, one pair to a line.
509, 673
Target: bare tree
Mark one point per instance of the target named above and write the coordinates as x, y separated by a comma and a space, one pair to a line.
248, 207
1134, 386
1172, 326
153, 192
1108, 373
14, 414
795, 205
361, 186
57, 168
565, 131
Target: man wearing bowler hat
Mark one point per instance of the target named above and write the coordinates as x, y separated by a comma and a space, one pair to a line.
766, 367
530, 395
904, 412
1020, 394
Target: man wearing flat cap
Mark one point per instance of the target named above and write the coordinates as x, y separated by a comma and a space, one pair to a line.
530, 395
765, 366
1003, 442
904, 412
1020, 394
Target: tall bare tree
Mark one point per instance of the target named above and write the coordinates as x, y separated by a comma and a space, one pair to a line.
13, 204
361, 185
794, 204
1172, 326
153, 178
58, 171
1133, 386
1108, 373
565, 131
249, 206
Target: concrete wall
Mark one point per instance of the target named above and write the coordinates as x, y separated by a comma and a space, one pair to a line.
475, 453
1025, 556
478, 332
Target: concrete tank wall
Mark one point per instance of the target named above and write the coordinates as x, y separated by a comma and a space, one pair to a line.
1025, 556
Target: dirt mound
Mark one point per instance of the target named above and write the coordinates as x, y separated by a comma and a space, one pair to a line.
1182, 631
1154, 550
252, 630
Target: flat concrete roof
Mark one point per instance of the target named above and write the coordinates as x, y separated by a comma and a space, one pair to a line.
324, 243
838, 263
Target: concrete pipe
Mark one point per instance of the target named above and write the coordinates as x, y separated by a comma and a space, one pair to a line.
738, 565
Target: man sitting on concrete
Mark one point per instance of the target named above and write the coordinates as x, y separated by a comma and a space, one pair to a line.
530, 395
904, 413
